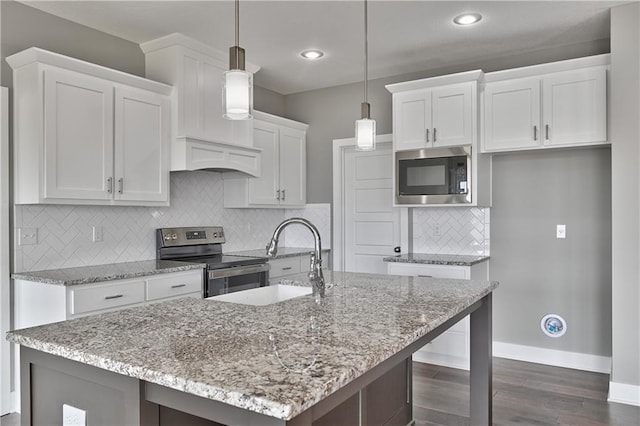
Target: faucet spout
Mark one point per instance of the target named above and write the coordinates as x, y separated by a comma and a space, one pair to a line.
315, 274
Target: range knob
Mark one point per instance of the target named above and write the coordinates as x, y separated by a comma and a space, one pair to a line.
167, 237
174, 236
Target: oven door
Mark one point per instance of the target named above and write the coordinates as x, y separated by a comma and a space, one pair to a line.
228, 280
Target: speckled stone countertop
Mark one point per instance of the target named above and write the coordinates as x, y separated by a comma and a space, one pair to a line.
437, 259
113, 271
282, 252
227, 352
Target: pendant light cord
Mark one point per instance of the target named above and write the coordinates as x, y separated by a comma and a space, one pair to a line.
237, 22
366, 52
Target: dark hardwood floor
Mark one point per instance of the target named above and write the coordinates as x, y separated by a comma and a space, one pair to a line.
523, 394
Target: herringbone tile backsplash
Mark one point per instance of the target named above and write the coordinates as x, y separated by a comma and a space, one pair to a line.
65, 232
462, 230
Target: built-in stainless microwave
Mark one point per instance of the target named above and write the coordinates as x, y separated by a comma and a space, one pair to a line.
434, 176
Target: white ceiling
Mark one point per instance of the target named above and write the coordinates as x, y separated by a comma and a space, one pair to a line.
404, 36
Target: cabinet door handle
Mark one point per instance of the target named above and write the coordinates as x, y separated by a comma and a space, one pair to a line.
110, 185
535, 133
546, 131
288, 268
425, 276
117, 296
278, 195
427, 135
283, 195
435, 135
120, 185
178, 285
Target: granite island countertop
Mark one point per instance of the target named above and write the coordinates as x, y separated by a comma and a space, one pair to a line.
437, 259
282, 252
227, 352
109, 272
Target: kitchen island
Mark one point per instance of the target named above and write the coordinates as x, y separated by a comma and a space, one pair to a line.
292, 362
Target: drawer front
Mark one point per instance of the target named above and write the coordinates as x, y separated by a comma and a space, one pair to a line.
175, 284
285, 266
106, 296
435, 271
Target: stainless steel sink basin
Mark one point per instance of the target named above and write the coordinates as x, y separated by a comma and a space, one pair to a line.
263, 296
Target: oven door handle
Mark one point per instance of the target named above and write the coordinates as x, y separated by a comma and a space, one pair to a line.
238, 270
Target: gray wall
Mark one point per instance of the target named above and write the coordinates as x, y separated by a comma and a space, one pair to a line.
331, 112
24, 27
539, 274
625, 153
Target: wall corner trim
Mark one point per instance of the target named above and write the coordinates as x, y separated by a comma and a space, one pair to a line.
553, 357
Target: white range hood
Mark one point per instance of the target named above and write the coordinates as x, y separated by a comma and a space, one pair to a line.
202, 139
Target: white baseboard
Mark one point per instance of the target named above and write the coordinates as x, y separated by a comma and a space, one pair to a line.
624, 393
575, 360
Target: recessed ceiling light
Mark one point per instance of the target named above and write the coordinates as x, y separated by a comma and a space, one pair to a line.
312, 54
467, 18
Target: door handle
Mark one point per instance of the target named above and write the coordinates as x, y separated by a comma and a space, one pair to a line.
396, 249
546, 130
117, 296
283, 195
120, 185
535, 133
110, 185
427, 134
278, 195
178, 286
434, 135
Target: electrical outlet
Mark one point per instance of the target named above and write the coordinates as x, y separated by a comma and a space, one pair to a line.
73, 416
27, 236
561, 231
436, 230
97, 234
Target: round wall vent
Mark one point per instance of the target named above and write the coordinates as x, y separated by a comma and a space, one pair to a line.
553, 325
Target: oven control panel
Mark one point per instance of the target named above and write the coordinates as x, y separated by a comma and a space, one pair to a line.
172, 237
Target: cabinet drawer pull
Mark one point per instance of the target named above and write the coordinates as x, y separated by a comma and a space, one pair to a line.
427, 133
546, 131
116, 296
434, 135
178, 285
535, 133
425, 276
288, 268
110, 185
120, 185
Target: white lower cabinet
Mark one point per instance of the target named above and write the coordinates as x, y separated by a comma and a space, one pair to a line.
451, 348
37, 303
283, 267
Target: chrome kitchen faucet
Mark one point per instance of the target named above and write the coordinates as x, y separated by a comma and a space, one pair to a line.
315, 274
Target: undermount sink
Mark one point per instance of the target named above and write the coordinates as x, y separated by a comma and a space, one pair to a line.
263, 296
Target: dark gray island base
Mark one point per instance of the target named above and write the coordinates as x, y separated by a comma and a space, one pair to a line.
203, 362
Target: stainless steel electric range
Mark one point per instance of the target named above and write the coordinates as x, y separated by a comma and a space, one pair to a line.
223, 274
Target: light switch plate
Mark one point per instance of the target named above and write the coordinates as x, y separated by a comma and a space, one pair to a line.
73, 416
27, 236
561, 231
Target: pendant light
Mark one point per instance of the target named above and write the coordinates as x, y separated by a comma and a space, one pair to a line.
365, 127
237, 84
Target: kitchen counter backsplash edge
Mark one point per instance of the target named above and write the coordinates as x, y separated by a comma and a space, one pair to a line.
282, 252
437, 259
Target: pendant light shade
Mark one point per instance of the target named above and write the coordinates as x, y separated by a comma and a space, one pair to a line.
366, 127
237, 84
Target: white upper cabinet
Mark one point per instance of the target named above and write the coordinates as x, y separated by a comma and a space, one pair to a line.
544, 109
283, 181
86, 134
202, 138
435, 112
